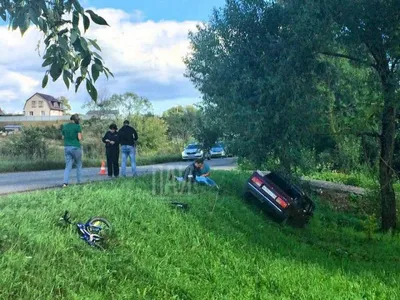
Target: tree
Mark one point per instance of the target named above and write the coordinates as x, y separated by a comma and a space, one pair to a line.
367, 33
207, 129
152, 132
67, 53
131, 104
65, 104
180, 121
241, 65
262, 66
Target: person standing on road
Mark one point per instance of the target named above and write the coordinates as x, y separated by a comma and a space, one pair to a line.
72, 135
112, 150
127, 139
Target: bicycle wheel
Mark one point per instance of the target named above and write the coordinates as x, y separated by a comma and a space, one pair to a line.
100, 226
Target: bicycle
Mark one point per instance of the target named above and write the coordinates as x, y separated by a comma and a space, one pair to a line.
91, 231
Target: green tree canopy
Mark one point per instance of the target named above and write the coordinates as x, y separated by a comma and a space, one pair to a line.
66, 105
267, 68
180, 121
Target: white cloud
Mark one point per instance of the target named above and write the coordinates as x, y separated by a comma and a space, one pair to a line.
140, 53
8, 95
24, 83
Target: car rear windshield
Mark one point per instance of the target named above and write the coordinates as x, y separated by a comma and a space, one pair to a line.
283, 185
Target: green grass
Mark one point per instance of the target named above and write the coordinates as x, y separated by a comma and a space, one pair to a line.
221, 248
355, 179
14, 165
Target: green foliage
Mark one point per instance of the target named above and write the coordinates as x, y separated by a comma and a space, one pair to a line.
30, 143
219, 249
126, 105
180, 121
207, 129
131, 104
66, 105
152, 132
283, 74
50, 132
262, 92
67, 52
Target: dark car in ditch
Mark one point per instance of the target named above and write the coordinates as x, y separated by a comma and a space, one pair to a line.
280, 198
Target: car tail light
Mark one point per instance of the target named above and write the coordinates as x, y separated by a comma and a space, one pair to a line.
257, 181
281, 202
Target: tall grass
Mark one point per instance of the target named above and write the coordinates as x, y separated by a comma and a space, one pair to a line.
221, 248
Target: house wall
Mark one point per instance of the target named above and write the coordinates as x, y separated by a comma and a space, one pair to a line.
56, 113
39, 107
36, 105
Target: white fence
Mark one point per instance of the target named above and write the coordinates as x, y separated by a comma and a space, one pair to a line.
38, 119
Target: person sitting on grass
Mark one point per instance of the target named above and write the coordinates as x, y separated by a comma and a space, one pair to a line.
203, 174
204, 170
198, 172
190, 172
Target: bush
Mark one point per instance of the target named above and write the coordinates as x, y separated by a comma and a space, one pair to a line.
30, 143
51, 132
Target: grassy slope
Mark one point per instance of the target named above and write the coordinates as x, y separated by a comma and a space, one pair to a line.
234, 252
36, 165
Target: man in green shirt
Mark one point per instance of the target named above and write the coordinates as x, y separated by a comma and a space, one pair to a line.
72, 135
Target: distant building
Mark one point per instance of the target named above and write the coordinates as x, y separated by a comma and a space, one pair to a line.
43, 105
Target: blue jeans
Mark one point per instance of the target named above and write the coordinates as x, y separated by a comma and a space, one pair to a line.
131, 152
199, 179
72, 155
205, 180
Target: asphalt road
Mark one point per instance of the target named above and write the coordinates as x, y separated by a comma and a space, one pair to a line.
29, 181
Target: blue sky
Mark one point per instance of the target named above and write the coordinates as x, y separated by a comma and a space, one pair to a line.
178, 10
144, 47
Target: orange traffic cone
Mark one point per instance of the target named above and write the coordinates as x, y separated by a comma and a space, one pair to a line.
103, 168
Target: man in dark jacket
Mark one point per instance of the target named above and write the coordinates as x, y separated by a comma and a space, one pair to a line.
127, 139
112, 150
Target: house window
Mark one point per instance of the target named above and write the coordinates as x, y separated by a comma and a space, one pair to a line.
43, 113
31, 113
33, 104
40, 103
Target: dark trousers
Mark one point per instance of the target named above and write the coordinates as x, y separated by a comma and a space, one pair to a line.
112, 160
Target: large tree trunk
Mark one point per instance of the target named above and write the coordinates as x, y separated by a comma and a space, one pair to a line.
388, 198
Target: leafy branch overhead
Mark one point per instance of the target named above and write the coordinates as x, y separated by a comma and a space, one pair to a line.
67, 53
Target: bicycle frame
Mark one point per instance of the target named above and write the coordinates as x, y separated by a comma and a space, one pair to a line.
90, 238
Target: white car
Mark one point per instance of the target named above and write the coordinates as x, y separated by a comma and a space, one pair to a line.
217, 150
192, 151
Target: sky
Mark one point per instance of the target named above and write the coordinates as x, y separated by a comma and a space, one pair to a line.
144, 48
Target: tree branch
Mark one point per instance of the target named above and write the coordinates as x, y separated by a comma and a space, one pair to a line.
349, 57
